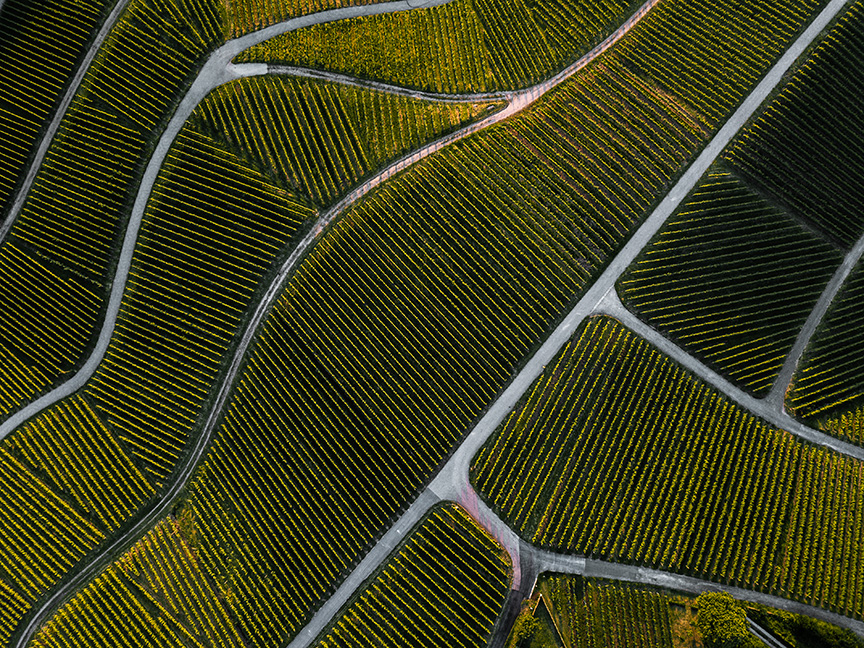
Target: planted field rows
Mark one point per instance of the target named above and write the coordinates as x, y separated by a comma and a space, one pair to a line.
63, 242
40, 46
807, 149
213, 229
406, 320
444, 589
320, 139
828, 388
620, 454
155, 596
463, 46
731, 278
245, 16
594, 614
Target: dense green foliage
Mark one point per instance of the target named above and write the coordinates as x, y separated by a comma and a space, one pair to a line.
66, 235
798, 631
828, 387
807, 149
41, 44
674, 476
722, 621
443, 589
463, 46
594, 614
320, 139
731, 279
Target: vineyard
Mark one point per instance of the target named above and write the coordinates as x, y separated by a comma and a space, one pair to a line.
245, 16
320, 139
40, 47
65, 237
444, 589
66, 486
828, 386
674, 476
807, 150
589, 613
463, 46
155, 596
731, 279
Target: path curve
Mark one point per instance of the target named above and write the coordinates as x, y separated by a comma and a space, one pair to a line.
612, 306
452, 483
216, 71
776, 397
59, 114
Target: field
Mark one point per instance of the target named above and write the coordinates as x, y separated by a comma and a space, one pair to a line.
155, 596
807, 150
66, 236
244, 16
828, 386
444, 589
463, 46
675, 476
40, 47
320, 139
731, 278
589, 613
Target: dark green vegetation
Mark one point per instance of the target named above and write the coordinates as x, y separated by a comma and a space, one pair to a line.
463, 46
58, 256
723, 622
807, 149
573, 612
41, 44
443, 589
797, 631
320, 139
620, 454
732, 279
828, 388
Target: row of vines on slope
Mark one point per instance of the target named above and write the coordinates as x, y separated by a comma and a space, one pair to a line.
41, 44
64, 240
618, 453
462, 46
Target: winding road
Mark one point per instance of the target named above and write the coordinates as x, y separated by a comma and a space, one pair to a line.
452, 482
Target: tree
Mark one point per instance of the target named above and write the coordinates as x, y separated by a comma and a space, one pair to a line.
721, 620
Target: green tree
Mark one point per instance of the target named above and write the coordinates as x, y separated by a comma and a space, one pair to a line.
722, 621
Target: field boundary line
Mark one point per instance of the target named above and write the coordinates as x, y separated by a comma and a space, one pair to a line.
59, 113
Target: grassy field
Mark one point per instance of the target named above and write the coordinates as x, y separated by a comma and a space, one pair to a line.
731, 278
618, 453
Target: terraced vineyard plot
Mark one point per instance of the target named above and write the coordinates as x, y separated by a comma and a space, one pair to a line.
620, 454
213, 230
807, 149
65, 237
444, 588
66, 486
155, 596
463, 46
406, 320
589, 613
320, 138
732, 279
245, 16
41, 44
828, 387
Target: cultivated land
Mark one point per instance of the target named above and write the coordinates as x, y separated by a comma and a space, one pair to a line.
273, 317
